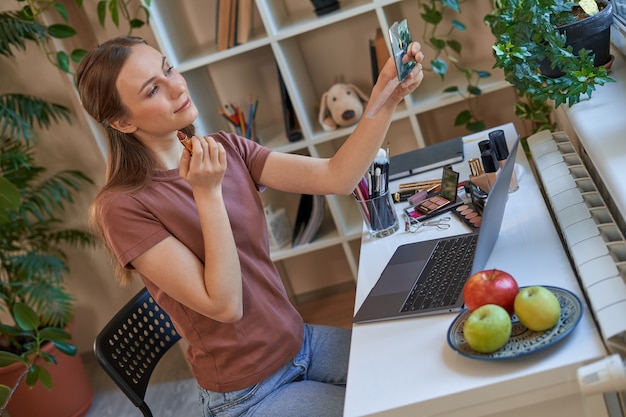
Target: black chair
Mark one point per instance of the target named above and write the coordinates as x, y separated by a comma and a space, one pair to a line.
132, 343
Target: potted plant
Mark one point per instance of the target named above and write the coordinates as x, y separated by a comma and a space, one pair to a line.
35, 340
32, 261
534, 34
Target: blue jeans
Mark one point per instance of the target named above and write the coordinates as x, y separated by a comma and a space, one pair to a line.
311, 384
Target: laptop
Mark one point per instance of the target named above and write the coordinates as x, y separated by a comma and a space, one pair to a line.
408, 287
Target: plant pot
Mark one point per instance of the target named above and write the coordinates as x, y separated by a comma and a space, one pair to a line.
592, 33
71, 394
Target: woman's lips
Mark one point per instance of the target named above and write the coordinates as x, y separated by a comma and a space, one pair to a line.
185, 105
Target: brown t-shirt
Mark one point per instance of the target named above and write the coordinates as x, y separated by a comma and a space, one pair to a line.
223, 356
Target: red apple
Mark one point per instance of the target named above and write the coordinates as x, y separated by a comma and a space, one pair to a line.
491, 286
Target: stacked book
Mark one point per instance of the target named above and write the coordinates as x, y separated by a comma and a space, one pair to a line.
309, 219
234, 22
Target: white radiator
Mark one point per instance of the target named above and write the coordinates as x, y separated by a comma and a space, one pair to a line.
590, 229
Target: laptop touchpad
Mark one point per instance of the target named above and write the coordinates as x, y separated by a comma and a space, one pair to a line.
398, 278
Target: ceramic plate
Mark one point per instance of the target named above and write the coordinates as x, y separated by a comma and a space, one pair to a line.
522, 341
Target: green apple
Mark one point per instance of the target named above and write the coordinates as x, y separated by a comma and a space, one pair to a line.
488, 328
537, 308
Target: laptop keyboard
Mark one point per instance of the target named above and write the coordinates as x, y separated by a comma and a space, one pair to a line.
444, 275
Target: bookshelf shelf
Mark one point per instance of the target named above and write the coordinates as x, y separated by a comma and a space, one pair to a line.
312, 53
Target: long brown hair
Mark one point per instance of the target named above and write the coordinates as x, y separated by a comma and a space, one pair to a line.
129, 164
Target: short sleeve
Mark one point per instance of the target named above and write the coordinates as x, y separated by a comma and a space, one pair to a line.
129, 227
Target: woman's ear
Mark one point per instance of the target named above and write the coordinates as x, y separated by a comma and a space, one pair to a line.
123, 126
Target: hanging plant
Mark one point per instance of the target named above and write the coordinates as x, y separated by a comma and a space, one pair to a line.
447, 50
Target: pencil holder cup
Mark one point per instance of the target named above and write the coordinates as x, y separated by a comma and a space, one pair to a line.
379, 215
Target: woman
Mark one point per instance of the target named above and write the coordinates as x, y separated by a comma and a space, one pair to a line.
192, 228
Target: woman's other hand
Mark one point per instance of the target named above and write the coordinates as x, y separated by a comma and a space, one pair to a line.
388, 92
205, 169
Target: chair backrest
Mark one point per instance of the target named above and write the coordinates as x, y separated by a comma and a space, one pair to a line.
132, 343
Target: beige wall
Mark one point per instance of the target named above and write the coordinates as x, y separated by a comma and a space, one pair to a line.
71, 146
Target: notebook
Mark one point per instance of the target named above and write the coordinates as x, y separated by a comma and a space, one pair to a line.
409, 266
425, 159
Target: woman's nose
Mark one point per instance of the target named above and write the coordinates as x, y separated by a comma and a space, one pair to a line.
177, 87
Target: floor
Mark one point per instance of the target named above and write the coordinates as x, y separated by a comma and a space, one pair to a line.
172, 389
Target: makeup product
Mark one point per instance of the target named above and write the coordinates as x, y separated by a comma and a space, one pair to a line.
501, 149
418, 197
400, 196
185, 141
432, 204
449, 184
412, 196
475, 167
420, 185
478, 177
469, 215
478, 197
490, 168
484, 145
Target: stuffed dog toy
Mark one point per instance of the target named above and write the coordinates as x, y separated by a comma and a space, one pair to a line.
341, 106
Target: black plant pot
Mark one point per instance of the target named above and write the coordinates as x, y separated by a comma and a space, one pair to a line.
592, 33
325, 6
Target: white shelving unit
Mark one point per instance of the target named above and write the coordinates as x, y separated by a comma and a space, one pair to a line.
312, 53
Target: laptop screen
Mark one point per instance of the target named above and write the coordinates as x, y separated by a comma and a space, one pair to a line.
494, 211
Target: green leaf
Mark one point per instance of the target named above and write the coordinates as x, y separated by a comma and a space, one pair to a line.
451, 89
454, 45
44, 377
451, 4
5, 392
439, 66
8, 358
483, 74
115, 12
477, 126
431, 15
474, 89
61, 31
462, 118
19, 113
437, 43
63, 61
41, 374
102, 12
77, 55
15, 23
10, 197
136, 23
48, 358
66, 348
12, 331
62, 10
54, 334
458, 25
25, 317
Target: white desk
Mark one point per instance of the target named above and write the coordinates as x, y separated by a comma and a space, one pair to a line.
406, 368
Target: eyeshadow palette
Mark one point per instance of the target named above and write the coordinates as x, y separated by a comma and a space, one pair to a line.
448, 194
469, 215
432, 204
